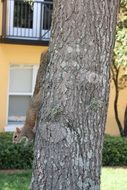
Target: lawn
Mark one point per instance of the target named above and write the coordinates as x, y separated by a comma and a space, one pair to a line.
112, 179
15, 181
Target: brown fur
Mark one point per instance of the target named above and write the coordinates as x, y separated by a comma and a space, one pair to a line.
33, 109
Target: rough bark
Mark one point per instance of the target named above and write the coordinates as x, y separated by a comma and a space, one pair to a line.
69, 136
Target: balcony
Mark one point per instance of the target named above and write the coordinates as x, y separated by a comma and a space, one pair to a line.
26, 21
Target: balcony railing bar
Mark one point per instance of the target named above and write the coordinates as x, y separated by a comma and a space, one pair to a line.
28, 19
43, 2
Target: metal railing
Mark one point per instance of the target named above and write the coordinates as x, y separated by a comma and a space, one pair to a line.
28, 19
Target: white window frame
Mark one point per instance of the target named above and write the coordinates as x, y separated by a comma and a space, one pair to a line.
18, 32
35, 67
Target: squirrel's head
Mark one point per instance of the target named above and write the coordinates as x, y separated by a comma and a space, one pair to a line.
17, 136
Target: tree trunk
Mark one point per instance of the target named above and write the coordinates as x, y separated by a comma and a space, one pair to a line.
125, 122
115, 76
69, 136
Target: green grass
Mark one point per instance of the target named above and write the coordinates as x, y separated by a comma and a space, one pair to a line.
16, 181
112, 179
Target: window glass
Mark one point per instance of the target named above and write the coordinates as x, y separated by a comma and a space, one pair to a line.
17, 107
47, 17
20, 79
23, 14
21, 86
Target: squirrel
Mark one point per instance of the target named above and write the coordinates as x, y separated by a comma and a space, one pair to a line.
29, 128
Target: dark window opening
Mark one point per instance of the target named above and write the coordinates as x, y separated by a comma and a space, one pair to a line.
23, 14
47, 17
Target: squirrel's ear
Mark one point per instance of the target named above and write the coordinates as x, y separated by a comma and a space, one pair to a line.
18, 130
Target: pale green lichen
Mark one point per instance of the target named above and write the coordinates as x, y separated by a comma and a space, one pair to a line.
95, 104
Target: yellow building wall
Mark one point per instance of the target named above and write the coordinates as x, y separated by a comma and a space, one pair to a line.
24, 54
13, 54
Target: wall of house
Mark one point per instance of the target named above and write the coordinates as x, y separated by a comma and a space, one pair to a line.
13, 54
23, 54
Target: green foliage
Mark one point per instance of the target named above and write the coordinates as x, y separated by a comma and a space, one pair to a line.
16, 156
20, 156
115, 151
124, 3
120, 50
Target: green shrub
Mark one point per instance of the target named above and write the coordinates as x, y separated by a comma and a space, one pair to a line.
20, 156
16, 156
114, 151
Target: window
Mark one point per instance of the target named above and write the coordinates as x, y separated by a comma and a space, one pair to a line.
23, 14
21, 85
47, 17
29, 19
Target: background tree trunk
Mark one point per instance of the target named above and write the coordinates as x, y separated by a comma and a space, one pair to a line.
115, 76
125, 122
69, 137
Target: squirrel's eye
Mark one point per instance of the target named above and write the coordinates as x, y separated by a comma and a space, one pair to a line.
15, 136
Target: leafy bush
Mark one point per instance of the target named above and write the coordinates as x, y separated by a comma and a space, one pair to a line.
20, 156
16, 156
114, 151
